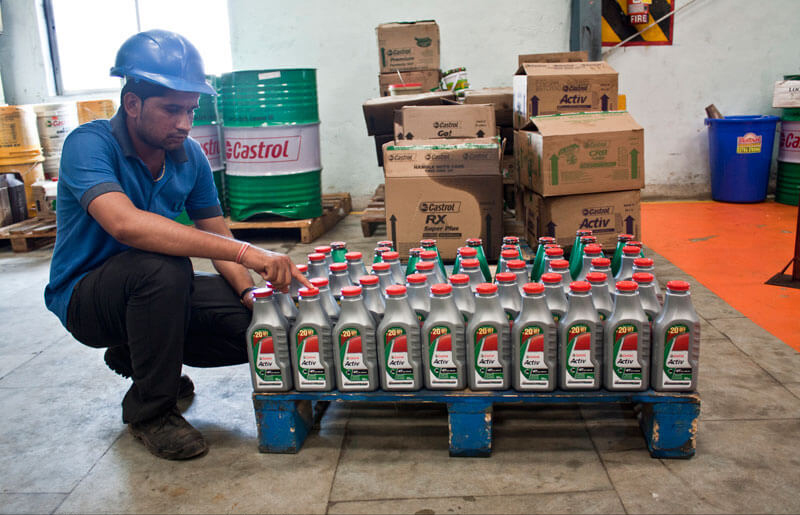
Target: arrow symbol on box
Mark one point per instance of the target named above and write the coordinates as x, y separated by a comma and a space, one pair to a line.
629, 224
409, 136
534, 105
604, 100
481, 134
551, 229
393, 223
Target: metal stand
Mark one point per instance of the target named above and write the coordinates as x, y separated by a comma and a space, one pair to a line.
783, 279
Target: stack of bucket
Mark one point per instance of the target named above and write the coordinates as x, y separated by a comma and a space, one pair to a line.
788, 186
205, 131
20, 150
55, 122
89, 110
270, 124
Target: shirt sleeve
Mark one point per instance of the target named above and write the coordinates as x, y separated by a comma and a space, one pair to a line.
203, 200
87, 167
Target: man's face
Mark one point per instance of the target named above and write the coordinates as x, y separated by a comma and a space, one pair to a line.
164, 122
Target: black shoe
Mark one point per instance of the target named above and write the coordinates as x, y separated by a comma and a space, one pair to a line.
170, 436
118, 360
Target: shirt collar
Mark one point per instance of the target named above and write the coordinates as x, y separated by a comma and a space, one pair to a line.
119, 129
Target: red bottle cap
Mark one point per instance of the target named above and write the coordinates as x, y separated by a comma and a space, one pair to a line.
261, 293
601, 262
596, 277
509, 254
635, 243
415, 251
416, 278
396, 289
368, 279
308, 292
580, 286
643, 262
583, 232
381, 250
424, 266
543, 240
508, 247
630, 249
316, 256
678, 286
441, 289
470, 263
554, 251
551, 278
486, 288
392, 255
592, 248
459, 279
467, 252
302, 268
516, 264
474, 241
428, 254
351, 291
559, 264
382, 267
588, 239
319, 282
427, 243
643, 277
627, 286
624, 237
338, 244
386, 243
350, 256
533, 288
338, 267
323, 249
552, 246
506, 277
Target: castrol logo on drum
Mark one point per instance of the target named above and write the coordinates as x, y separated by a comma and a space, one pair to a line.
263, 150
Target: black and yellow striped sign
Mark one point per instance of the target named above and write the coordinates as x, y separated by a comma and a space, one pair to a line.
615, 25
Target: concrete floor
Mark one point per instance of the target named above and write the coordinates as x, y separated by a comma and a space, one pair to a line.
64, 449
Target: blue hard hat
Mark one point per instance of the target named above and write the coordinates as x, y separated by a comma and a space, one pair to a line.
164, 58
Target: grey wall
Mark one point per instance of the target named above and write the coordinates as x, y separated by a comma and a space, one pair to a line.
24, 55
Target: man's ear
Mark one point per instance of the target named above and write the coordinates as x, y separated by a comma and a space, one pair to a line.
132, 104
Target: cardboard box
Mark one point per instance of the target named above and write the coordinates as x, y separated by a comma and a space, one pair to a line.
508, 169
555, 57
555, 88
446, 190
428, 78
501, 98
581, 153
380, 141
45, 205
408, 46
446, 121
606, 214
507, 134
379, 112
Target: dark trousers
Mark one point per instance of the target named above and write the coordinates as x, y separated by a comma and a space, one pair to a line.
165, 316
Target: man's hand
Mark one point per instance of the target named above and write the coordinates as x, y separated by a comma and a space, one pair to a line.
273, 267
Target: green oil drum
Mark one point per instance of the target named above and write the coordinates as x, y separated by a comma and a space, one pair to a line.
787, 189
206, 112
260, 98
296, 195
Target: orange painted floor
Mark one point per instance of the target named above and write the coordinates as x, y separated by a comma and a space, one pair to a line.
732, 249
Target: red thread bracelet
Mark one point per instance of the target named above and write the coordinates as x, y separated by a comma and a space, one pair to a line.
242, 250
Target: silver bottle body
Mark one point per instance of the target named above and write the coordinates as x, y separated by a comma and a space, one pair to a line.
269, 371
400, 365
312, 370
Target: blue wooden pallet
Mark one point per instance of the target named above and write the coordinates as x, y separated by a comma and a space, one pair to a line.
668, 420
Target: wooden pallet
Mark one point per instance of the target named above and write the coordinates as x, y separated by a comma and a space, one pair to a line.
30, 234
335, 206
375, 213
668, 420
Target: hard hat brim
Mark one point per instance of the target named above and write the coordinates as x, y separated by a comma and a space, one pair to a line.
167, 81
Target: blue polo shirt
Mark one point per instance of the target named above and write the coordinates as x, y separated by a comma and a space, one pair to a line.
97, 158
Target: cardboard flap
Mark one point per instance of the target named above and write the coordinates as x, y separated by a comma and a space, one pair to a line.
582, 123
573, 68
443, 157
555, 57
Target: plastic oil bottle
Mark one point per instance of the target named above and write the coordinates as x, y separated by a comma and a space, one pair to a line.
472, 269
622, 240
676, 342
590, 252
561, 267
355, 266
387, 243
268, 345
513, 240
428, 269
443, 340
399, 345
519, 268
413, 259
286, 306
339, 279
646, 265
430, 245
374, 300
580, 336
603, 265
294, 287
316, 266
488, 342
431, 256
477, 244
462, 295
338, 251
417, 290
539, 257
327, 300
508, 293
551, 253
377, 256
627, 342
647, 295
325, 250
534, 347
576, 253
384, 272
507, 254
601, 297
393, 258
312, 345
356, 355
463, 253
625, 272
554, 295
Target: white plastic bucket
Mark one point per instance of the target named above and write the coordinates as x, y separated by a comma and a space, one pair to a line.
51, 164
208, 138
275, 150
55, 122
